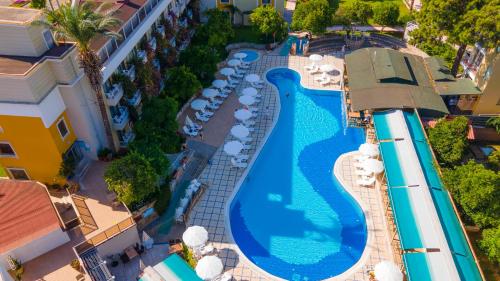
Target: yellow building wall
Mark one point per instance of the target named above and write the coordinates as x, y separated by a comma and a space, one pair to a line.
38, 149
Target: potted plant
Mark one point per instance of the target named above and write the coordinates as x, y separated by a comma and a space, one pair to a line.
76, 265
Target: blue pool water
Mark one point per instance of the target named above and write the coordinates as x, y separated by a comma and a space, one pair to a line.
290, 216
251, 55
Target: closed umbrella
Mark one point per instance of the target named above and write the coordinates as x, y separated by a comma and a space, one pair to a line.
373, 166
210, 93
199, 104
233, 148
387, 271
240, 131
252, 78
242, 114
249, 91
246, 100
369, 149
240, 56
227, 71
234, 62
219, 84
209, 267
195, 236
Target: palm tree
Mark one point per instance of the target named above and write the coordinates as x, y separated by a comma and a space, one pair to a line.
81, 23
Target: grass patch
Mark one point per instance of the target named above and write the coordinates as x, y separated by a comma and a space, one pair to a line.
404, 12
163, 200
247, 34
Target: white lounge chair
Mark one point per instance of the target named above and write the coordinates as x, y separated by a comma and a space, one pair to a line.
207, 249
246, 140
201, 118
257, 85
244, 65
213, 106
253, 109
365, 182
206, 113
249, 123
238, 164
225, 277
362, 172
310, 67
326, 81
246, 147
196, 182
233, 81
189, 132
216, 101
238, 75
361, 158
242, 157
313, 70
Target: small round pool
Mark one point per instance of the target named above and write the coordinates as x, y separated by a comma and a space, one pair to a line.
251, 55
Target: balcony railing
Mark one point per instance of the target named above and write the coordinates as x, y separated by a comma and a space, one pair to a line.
115, 94
142, 55
161, 30
130, 72
127, 138
120, 119
135, 100
152, 43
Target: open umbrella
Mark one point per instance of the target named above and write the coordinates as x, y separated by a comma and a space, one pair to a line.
252, 78
234, 62
233, 148
209, 267
369, 149
195, 236
249, 91
242, 114
387, 271
199, 104
315, 58
219, 84
227, 71
240, 131
210, 93
240, 56
373, 166
246, 100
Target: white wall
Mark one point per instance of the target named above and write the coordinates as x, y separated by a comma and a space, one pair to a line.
120, 242
36, 247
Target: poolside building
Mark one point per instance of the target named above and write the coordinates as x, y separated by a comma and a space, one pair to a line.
48, 111
240, 10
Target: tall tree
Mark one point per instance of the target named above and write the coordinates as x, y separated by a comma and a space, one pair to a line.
82, 23
385, 13
356, 11
462, 22
449, 139
181, 84
313, 16
269, 22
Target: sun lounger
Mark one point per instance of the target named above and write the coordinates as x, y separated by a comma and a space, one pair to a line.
225, 277
213, 106
246, 147
360, 172
201, 118
244, 65
207, 113
249, 123
326, 81
360, 158
310, 67
242, 157
238, 75
216, 101
238, 164
365, 182
208, 249
189, 132
313, 70
257, 85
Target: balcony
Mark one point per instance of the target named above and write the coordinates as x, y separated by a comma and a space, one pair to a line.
127, 138
135, 100
156, 64
183, 23
161, 30
152, 43
120, 119
143, 56
130, 72
114, 95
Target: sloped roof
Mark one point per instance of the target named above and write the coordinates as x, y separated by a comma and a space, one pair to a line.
26, 213
403, 81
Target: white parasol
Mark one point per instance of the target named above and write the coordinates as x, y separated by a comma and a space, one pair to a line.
199, 104
373, 166
240, 56
249, 91
210, 93
195, 236
234, 62
369, 149
240, 131
219, 84
209, 267
233, 148
387, 271
246, 100
252, 78
315, 58
242, 114
227, 71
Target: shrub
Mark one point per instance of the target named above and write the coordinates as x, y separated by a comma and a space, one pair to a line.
181, 84
494, 122
202, 61
449, 139
163, 199
314, 16
38, 4
356, 11
269, 22
386, 13
490, 243
75, 264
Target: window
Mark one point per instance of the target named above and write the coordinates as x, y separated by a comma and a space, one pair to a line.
63, 129
49, 40
224, 1
266, 2
6, 150
18, 174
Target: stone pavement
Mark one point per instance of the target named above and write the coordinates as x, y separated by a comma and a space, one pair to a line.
221, 178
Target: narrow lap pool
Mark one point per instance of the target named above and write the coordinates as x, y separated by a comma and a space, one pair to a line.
290, 216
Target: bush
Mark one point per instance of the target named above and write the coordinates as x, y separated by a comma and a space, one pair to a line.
38, 4
269, 22
181, 84
188, 256
449, 139
215, 33
490, 243
202, 60
153, 154
163, 199
386, 13
313, 16
494, 122
75, 264
356, 11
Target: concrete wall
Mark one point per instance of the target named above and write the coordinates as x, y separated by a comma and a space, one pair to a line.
36, 247
489, 102
120, 242
24, 40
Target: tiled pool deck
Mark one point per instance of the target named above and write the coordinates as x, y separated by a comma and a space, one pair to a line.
221, 178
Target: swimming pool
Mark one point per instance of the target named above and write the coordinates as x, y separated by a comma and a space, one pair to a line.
290, 216
251, 55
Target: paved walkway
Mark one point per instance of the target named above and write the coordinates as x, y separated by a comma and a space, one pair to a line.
367, 28
221, 178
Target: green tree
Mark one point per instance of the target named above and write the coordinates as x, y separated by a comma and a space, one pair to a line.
132, 178
356, 11
38, 4
462, 22
181, 84
477, 190
490, 243
81, 24
269, 22
494, 160
202, 61
313, 16
216, 32
153, 153
494, 122
386, 13
449, 139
